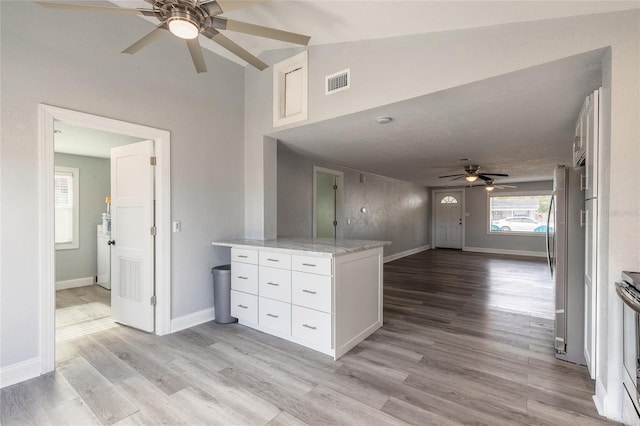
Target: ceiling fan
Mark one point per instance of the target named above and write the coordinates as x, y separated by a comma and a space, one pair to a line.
472, 174
188, 19
490, 185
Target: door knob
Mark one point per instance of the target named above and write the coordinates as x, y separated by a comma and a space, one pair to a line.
111, 242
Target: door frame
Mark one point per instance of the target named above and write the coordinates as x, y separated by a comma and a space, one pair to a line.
462, 193
46, 116
339, 205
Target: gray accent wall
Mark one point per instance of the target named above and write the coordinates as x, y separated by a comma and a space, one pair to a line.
476, 234
396, 211
47, 62
94, 186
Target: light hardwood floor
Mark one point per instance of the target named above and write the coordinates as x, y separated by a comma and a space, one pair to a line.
467, 339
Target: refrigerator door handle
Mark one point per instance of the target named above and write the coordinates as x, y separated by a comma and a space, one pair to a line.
549, 237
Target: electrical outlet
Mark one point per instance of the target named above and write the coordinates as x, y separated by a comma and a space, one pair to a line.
177, 226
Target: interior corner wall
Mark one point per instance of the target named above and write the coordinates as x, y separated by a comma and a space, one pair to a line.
476, 235
47, 62
94, 186
396, 211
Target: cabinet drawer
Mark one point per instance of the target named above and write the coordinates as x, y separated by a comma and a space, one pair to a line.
274, 260
244, 277
312, 326
314, 265
244, 255
275, 315
244, 306
274, 283
311, 291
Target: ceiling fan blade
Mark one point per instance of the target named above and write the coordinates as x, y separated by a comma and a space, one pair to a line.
506, 186
88, 8
260, 31
196, 55
234, 48
229, 5
484, 178
446, 176
457, 178
146, 40
495, 174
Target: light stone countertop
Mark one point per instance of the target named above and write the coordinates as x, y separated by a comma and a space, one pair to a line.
327, 247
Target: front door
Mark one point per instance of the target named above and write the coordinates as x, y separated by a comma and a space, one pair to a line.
132, 221
449, 219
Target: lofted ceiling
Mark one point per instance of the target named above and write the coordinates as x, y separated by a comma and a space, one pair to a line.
520, 123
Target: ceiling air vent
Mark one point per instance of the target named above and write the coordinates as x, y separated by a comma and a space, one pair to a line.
338, 81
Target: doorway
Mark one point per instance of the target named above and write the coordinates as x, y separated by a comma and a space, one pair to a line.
448, 213
327, 203
48, 116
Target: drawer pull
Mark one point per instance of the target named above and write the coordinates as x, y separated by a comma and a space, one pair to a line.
313, 265
242, 278
272, 316
273, 260
243, 307
243, 256
309, 326
273, 284
309, 291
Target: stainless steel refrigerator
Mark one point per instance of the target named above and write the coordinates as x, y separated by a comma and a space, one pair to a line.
565, 252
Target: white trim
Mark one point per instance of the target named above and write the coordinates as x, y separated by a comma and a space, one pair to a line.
405, 253
19, 372
46, 117
463, 194
192, 319
505, 251
339, 208
77, 282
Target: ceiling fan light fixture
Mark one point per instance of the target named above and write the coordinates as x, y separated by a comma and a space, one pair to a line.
471, 178
183, 27
489, 188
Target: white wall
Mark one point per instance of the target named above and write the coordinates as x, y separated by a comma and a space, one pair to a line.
53, 57
396, 211
476, 235
386, 71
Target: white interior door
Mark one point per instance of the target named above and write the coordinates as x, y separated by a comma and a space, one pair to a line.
132, 251
449, 219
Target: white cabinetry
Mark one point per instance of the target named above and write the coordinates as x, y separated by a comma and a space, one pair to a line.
104, 259
589, 123
326, 302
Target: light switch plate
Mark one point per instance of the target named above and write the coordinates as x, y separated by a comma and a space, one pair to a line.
176, 226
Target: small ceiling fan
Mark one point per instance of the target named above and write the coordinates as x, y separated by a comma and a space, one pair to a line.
188, 19
490, 185
472, 174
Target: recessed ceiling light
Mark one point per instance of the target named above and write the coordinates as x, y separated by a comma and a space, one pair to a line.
384, 120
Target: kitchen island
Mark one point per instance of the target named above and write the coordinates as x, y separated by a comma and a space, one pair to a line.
324, 294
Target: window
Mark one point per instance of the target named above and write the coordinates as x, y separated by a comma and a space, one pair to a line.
66, 199
449, 200
519, 213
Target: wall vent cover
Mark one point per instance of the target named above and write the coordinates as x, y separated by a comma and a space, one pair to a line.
338, 82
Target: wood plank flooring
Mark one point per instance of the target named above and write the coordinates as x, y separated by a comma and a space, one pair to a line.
467, 339
81, 311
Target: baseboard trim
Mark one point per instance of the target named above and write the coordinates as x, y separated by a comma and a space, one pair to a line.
77, 282
193, 319
19, 372
505, 251
599, 397
405, 253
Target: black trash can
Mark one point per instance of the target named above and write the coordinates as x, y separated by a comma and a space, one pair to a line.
222, 294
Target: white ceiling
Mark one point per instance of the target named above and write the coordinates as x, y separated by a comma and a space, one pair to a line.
88, 142
519, 123
337, 21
